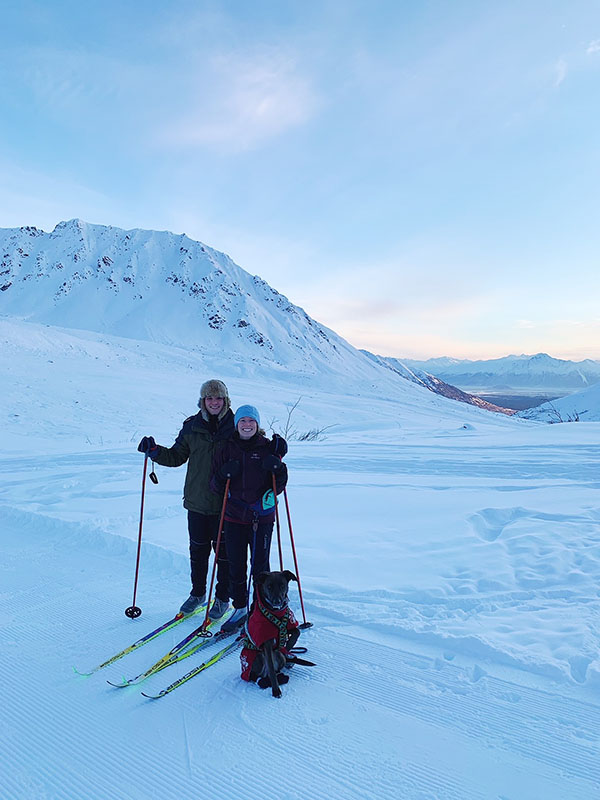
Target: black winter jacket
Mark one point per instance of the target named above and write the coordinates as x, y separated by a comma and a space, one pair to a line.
252, 481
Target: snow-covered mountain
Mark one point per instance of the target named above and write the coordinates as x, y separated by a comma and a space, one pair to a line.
162, 287
537, 372
583, 406
434, 384
168, 289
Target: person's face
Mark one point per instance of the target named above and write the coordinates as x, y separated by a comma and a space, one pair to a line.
214, 405
247, 427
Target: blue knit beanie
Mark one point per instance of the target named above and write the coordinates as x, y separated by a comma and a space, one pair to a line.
247, 411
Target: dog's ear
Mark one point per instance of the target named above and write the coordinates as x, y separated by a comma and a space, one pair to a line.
260, 579
289, 576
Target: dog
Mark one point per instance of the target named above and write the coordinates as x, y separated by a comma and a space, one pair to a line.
271, 632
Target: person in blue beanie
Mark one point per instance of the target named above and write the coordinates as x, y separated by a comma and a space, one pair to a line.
249, 460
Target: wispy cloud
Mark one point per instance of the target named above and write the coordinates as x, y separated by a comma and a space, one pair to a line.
250, 101
69, 81
560, 71
593, 47
231, 103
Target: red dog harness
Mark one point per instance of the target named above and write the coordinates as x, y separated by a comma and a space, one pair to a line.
265, 624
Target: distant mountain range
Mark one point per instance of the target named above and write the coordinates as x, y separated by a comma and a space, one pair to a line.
434, 384
536, 373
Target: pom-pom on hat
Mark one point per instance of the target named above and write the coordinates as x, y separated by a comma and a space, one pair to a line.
247, 411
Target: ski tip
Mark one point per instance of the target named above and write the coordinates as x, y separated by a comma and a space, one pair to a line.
83, 674
152, 696
118, 685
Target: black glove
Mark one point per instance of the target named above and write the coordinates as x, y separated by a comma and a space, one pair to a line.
147, 444
230, 469
272, 464
278, 445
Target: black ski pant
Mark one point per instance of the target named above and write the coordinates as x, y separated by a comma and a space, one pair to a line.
240, 539
203, 530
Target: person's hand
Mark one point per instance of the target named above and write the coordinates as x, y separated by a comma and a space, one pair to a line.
230, 469
278, 445
272, 464
147, 444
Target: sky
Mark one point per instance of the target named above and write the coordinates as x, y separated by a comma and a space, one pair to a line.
422, 177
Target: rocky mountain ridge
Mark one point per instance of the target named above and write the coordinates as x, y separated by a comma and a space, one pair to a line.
161, 287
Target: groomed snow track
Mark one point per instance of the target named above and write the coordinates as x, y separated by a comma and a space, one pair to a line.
458, 732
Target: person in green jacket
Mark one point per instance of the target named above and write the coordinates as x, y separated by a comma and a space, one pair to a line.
196, 443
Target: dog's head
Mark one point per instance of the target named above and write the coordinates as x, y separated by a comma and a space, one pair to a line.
273, 588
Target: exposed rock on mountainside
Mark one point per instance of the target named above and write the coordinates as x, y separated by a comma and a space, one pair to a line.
160, 287
435, 384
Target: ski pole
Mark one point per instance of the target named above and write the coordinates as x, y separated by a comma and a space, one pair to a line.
305, 624
278, 524
214, 569
134, 611
251, 576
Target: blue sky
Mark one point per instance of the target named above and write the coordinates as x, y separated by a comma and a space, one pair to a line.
423, 177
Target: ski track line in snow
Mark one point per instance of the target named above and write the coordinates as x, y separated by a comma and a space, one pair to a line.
88, 769
541, 726
400, 686
98, 771
326, 761
573, 463
57, 595
37, 705
390, 616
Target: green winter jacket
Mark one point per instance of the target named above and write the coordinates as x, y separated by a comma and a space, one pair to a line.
196, 443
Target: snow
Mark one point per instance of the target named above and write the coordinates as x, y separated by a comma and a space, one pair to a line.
159, 287
581, 406
449, 557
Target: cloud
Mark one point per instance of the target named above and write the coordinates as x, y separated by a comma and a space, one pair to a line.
242, 102
76, 81
561, 70
230, 103
593, 47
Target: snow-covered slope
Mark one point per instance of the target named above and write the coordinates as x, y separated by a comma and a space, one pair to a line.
434, 384
450, 563
583, 406
167, 288
539, 372
86, 387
